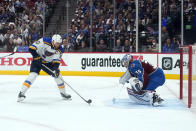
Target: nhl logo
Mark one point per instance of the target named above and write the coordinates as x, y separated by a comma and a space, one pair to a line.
167, 63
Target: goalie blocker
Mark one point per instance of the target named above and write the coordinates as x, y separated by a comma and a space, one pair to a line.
144, 79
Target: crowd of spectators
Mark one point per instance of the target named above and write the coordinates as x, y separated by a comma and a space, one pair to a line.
113, 30
21, 22
113, 25
107, 28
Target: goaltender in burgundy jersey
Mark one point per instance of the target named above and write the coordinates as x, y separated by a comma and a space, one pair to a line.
143, 79
143, 71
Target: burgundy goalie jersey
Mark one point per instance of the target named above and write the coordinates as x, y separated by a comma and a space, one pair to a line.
142, 70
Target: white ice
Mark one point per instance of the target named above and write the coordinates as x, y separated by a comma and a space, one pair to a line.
44, 109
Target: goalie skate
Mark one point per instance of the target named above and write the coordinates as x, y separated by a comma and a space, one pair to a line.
21, 97
157, 100
66, 96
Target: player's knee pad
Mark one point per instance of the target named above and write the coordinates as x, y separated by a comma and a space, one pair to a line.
32, 76
59, 81
30, 79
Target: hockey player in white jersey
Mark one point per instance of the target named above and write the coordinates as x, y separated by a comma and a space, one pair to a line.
143, 79
45, 51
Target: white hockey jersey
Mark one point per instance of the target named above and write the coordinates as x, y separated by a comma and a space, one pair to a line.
46, 51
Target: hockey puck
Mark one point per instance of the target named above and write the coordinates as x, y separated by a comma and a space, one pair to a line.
89, 101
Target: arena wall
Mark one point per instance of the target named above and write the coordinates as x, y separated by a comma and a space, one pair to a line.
91, 64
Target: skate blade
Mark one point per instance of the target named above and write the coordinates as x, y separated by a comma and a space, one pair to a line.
156, 104
20, 99
67, 99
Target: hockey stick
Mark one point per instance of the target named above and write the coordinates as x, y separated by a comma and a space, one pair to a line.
87, 101
14, 51
118, 93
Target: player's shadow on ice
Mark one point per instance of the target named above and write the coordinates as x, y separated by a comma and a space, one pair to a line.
128, 104
43, 101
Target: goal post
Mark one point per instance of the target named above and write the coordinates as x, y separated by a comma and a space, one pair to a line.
188, 74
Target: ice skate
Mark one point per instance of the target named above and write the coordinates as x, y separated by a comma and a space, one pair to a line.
157, 100
21, 97
66, 96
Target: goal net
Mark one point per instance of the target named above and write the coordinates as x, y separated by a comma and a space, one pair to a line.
188, 75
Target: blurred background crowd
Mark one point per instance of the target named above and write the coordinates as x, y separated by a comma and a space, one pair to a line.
109, 26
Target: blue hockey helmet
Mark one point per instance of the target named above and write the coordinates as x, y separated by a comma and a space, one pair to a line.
126, 58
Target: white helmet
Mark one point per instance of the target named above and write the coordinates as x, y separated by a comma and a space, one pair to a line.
57, 38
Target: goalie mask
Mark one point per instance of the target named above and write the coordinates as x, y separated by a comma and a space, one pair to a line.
126, 58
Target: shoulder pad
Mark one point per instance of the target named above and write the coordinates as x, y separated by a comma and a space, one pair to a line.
47, 41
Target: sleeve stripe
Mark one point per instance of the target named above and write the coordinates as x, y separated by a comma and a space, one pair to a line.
56, 62
36, 58
32, 47
47, 43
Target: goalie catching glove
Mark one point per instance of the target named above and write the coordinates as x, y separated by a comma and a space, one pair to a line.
136, 84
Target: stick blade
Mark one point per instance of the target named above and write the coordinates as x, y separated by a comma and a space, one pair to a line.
89, 101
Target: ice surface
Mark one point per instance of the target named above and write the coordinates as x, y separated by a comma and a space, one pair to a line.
44, 109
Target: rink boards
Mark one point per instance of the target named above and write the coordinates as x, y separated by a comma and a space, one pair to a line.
92, 64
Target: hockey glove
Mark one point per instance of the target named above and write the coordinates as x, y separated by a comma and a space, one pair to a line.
136, 84
56, 73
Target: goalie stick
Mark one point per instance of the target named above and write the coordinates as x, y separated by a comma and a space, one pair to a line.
118, 93
14, 51
87, 101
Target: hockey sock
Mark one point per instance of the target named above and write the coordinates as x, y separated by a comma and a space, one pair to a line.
28, 82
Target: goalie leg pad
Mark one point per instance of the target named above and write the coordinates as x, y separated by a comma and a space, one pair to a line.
142, 97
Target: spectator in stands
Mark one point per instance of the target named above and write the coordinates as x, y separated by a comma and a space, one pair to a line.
9, 46
33, 36
121, 27
83, 47
5, 41
176, 44
101, 46
17, 40
164, 34
154, 46
1, 42
81, 37
68, 47
127, 46
4, 16
3, 28
100, 34
168, 46
23, 47
118, 47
